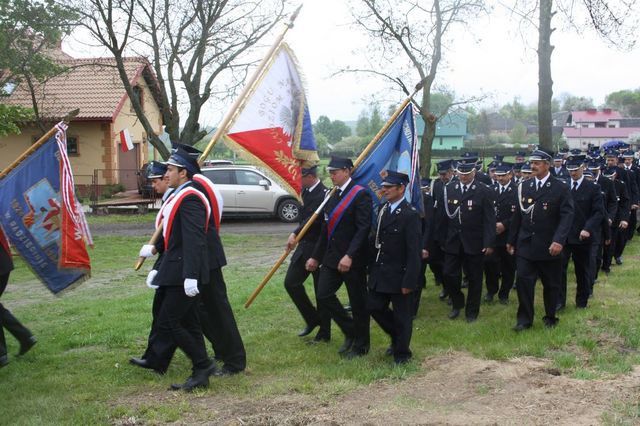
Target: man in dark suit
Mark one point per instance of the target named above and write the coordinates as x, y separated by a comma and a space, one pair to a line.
312, 196
538, 234
428, 243
610, 201
625, 176
500, 267
7, 320
436, 256
621, 221
342, 250
586, 224
634, 177
468, 230
183, 267
559, 170
394, 271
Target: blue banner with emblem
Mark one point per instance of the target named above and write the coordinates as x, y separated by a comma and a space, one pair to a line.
397, 150
40, 221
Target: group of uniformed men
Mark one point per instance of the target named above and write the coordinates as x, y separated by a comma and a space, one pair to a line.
518, 223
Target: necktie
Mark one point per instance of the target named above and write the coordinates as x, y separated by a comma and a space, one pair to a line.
464, 189
575, 186
502, 190
539, 185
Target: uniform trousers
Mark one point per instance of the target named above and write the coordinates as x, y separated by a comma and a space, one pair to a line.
8, 321
219, 324
436, 264
607, 252
581, 255
528, 271
633, 223
158, 298
453, 266
416, 295
355, 280
396, 322
620, 242
297, 274
178, 326
500, 269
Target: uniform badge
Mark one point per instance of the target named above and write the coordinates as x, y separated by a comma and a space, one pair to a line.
544, 206
473, 187
513, 208
530, 200
455, 201
548, 184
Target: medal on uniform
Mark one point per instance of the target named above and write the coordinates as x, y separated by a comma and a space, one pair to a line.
470, 204
530, 200
455, 201
544, 206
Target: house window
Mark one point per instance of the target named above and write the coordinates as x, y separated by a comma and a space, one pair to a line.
138, 93
8, 88
72, 145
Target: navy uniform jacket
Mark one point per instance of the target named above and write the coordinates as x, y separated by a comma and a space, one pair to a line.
6, 264
473, 227
628, 178
624, 203
215, 251
562, 174
549, 221
437, 190
311, 200
350, 236
506, 206
397, 264
484, 178
588, 211
610, 198
186, 253
428, 222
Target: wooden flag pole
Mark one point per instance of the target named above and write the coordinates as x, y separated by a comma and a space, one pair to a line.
222, 128
37, 144
318, 211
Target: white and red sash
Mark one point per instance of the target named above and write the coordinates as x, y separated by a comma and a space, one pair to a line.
214, 196
171, 206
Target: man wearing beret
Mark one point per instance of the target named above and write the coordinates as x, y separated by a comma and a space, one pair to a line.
394, 272
539, 231
585, 232
342, 250
468, 232
313, 194
184, 264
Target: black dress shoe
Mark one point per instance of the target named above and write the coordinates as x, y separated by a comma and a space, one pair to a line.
319, 339
442, 295
143, 363
351, 354
307, 330
521, 327
619, 260
455, 313
346, 346
471, 319
550, 322
224, 372
389, 351
488, 298
4, 360
401, 361
27, 345
504, 301
199, 380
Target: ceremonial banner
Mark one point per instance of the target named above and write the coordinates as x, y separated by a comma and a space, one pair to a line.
396, 150
42, 218
272, 128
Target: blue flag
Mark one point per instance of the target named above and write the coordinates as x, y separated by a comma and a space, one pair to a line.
40, 216
396, 150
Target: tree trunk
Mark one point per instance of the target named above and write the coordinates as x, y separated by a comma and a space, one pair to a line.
545, 82
425, 147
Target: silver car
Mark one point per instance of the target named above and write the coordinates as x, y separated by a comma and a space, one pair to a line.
247, 191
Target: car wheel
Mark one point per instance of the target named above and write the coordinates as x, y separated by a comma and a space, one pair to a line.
288, 210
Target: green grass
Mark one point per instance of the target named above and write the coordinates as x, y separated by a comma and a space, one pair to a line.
78, 373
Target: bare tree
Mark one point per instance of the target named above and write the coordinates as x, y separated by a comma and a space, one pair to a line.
616, 21
198, 50
415, 33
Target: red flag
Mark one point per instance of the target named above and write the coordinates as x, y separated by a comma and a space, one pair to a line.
126, 144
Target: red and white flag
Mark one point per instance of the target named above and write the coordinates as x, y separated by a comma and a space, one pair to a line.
126, 144
273, 127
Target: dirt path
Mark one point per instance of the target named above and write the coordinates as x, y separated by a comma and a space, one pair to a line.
452, 389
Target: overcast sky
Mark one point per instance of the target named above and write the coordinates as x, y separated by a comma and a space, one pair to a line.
489, 59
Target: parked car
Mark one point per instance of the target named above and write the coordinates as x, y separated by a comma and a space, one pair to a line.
247, 191
144, 184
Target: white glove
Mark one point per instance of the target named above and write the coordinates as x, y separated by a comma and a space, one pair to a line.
152, 274
191, 287
147, 250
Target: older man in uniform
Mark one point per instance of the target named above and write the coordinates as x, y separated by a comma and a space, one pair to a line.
184, 265
538, 234
312, 196
586, 224
468, 232
500, 267
342, 250
394, 271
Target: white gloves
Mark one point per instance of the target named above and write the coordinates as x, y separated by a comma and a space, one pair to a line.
191, 287
147, 250
150, 277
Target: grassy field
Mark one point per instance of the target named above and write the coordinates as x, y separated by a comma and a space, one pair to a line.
78, 372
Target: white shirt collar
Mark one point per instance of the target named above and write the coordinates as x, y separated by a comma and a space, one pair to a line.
392, 206
310, 189
343, 187
543, 180
579, 181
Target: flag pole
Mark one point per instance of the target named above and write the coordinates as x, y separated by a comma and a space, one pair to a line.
37, 144
318, 211
222, 128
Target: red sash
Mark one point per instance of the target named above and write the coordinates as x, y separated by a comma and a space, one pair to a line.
214, 196
338, 211
172, 209
4, 242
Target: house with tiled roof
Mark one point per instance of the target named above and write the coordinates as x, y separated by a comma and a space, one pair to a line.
451, 129
594, 127
95, 88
